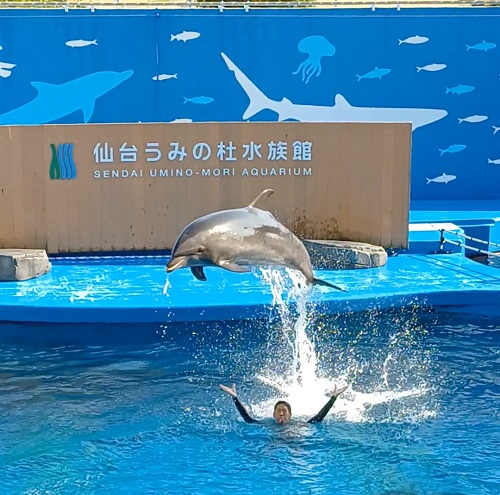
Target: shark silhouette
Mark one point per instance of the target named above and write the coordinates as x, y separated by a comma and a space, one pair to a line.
55, 101
342, 111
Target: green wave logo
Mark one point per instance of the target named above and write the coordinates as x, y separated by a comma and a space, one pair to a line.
62, 164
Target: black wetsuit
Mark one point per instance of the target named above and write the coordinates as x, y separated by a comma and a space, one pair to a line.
316, 419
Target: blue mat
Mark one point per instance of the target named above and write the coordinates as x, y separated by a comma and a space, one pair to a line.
130, 289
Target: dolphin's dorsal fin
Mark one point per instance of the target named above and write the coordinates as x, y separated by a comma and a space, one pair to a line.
265, 192
43, 87
341, 101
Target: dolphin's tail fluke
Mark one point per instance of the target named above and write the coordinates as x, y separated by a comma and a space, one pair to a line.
265, 192
359, 77
317, 281
258, 100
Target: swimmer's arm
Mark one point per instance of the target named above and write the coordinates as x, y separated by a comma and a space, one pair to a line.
243, 411
326, 408
241, 408
324, 411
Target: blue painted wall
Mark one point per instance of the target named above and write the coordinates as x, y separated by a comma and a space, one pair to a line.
444, 62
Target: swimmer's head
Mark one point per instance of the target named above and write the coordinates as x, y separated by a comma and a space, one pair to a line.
282, 412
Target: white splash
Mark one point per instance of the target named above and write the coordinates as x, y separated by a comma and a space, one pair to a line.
385, 373
354, 406
303, 369
166, 286
301, 384
82, 295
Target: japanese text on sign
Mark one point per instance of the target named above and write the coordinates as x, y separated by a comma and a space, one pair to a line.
224, 151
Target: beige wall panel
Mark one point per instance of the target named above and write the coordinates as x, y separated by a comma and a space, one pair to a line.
114, 187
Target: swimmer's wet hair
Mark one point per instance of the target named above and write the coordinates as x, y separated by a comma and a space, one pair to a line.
285, 403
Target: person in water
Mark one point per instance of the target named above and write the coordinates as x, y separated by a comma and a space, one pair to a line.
282, 409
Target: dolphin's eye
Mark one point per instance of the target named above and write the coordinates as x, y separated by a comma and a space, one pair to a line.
201, 249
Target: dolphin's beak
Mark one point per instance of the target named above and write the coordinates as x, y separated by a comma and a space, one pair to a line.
176, 263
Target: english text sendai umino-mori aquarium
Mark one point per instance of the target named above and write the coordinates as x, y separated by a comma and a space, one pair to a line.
205, 172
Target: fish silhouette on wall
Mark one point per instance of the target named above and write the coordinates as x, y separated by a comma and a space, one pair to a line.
442, 179
80, 43
55, 101
342, 111
484, 46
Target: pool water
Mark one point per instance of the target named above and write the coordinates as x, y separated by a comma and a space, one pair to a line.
136, 409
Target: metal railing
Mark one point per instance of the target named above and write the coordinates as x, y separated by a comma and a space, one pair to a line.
464, 238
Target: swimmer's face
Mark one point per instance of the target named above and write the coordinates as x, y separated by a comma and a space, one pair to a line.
282, 413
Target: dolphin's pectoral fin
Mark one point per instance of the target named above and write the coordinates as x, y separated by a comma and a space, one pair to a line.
232, 267
197, 271
88, 110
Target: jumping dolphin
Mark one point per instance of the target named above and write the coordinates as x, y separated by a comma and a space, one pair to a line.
342, 111
238, 238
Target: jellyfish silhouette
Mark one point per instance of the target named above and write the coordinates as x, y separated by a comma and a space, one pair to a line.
316, 47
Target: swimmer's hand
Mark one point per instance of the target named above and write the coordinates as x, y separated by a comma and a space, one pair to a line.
230, 391
336, 391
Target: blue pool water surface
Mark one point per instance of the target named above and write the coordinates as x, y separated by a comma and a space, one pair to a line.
128, 409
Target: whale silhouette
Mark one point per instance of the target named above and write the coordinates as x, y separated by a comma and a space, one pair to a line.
342, 111
55, 101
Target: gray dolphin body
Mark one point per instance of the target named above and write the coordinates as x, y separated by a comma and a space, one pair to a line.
240, 238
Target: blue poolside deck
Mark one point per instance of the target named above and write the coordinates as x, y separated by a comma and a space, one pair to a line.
119, 291
130, 288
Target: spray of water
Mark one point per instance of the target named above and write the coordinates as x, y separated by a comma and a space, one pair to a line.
293, 370
167, 285
293, 318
